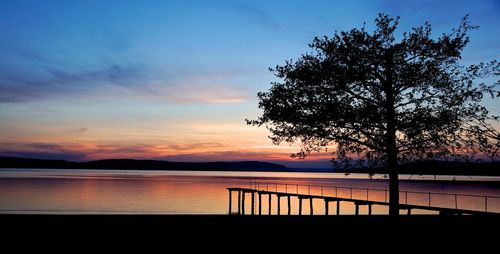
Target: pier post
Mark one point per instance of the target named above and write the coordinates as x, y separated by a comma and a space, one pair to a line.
260, 203
311, 205
230, 198
278, 197
369, 209
357, 208
338, 207
269, 204
239, 202
289, 206
409, 211
326, 207
243, 202
300, 206
253, 202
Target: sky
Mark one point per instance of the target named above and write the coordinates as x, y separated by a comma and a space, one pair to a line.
174, 80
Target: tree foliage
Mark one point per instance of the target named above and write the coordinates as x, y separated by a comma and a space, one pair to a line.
355, 88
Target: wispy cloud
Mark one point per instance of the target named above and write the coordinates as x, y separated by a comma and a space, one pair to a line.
225, 156
191, 146
117, 74
198, 93
76, 130
135, 81
201, 86
45, 146
10, 92
40, 150
58, 82
112, 64
256, 13
45, 155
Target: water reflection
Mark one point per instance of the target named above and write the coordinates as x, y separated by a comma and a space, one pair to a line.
80, 191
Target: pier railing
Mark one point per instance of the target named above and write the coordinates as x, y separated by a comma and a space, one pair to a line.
486, 203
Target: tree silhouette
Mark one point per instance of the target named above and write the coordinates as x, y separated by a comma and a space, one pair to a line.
379, 103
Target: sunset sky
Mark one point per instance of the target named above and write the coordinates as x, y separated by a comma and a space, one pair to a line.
174, 80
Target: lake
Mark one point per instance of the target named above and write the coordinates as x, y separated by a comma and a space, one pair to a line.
192, 192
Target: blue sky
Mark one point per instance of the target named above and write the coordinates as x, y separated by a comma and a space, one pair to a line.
175, 79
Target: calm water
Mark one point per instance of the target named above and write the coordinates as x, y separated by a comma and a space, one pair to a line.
186, 192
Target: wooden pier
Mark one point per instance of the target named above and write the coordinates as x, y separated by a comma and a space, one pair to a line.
271, 194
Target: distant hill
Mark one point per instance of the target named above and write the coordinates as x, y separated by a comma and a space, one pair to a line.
13, 162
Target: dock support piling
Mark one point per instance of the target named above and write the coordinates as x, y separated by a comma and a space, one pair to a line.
338, 207
369, 209
278, 197
253, 203
243, 202
357, 209
300, 206
260, 203
289, 206
269, 206
326, 207
311, 205
239, 202
230, 198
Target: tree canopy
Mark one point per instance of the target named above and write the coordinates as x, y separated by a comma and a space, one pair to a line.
378, 101
336, 95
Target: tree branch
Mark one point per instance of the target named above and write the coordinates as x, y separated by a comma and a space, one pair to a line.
357, 96
348, 139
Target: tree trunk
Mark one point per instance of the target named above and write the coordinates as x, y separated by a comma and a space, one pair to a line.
391, 149
393, 184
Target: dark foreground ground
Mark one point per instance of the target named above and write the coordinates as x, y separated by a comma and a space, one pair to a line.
243, 233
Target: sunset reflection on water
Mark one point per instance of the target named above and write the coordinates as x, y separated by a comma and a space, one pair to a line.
94, 191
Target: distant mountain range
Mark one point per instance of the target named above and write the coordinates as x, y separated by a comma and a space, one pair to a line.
14, 162
415, 168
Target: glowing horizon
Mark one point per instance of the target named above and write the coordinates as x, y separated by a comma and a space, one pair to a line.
174, 80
